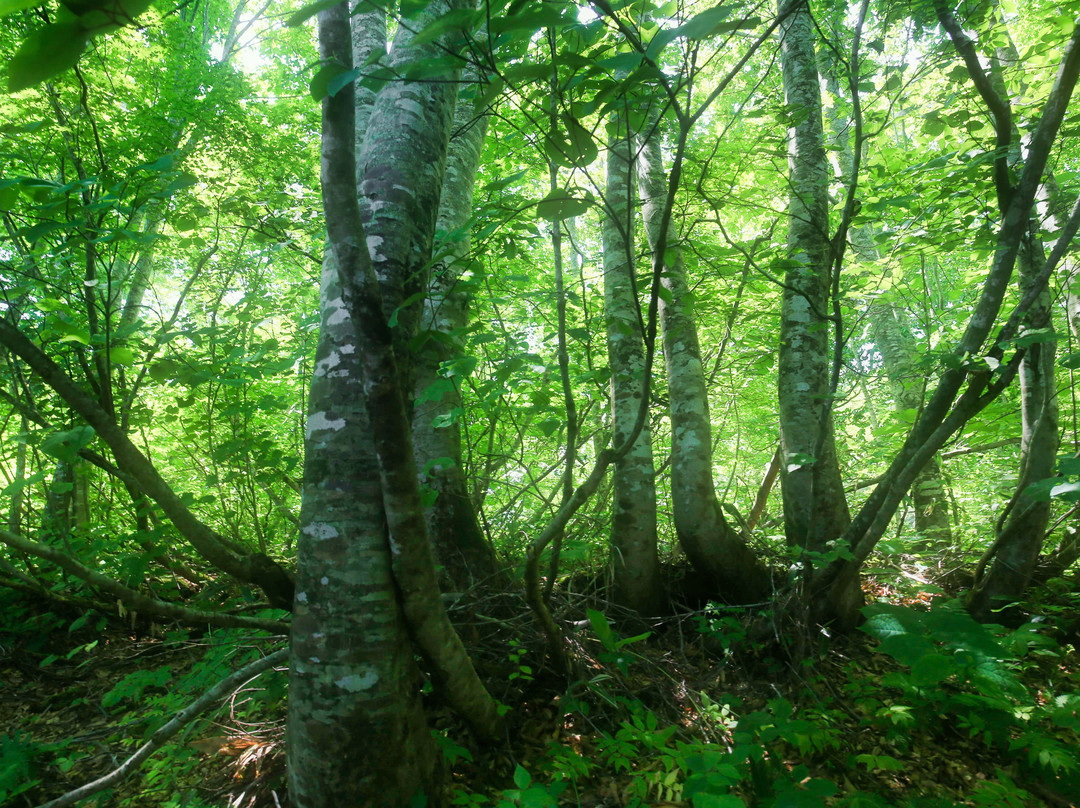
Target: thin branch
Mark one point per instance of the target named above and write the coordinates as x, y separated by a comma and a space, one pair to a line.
208, 699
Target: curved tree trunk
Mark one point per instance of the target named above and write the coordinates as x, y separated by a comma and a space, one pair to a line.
712, 546
1019, 540
634, 561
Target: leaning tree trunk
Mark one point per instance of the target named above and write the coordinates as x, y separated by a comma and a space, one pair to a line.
815, 509
634, 561
713, 547
964, 390
460, 544
1015, 550
891, 330
929, 498
1020, 538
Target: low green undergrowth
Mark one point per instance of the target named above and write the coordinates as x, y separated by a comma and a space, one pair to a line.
939, 711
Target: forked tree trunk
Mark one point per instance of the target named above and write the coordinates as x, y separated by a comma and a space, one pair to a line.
1020, 536
634, 561
713, 547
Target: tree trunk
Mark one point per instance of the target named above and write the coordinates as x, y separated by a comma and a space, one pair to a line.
634, 561
382, 548
353, 678
1019, 539
948, 409
892, 335
815, 509
712, 546
460, 544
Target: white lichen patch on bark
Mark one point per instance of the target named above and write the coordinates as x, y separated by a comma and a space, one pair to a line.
354, 683
318, 422
320, 531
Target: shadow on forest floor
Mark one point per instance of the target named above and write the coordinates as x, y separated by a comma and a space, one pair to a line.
923, 708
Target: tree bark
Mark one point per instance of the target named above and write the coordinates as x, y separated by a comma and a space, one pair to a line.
712, 546
815, 508
634, 560
389, 563
1019, 539
353, 677
947, 410
460, 544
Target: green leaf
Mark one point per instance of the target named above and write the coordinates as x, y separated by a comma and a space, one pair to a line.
1070, 361
461, 20
309, 11
66, 445
320, 83
1067, 491
712, 22
45, 53
562, 204
11, 6
521, 777
602, 629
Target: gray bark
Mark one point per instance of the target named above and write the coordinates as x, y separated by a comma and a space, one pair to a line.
947, 409
815, 509
358, 734
1020, 536
634, 559
460, 544
352, 676
712, 546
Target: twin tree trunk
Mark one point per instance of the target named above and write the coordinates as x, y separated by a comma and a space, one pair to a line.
366, 581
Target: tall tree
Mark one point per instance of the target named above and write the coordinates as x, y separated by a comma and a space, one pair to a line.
460, 543
634, 559
890, 328
1021, 532
815, 508
711, 544
379, 555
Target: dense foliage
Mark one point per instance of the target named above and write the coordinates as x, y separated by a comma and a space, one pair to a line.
781, 240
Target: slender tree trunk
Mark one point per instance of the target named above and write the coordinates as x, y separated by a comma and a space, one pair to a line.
930, 501
712, 546
460, 544
815, 509
948, 409
1020, 536
634, 559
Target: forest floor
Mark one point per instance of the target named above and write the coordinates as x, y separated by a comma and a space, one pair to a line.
704, 710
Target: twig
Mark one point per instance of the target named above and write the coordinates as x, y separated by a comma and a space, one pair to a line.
189, 713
